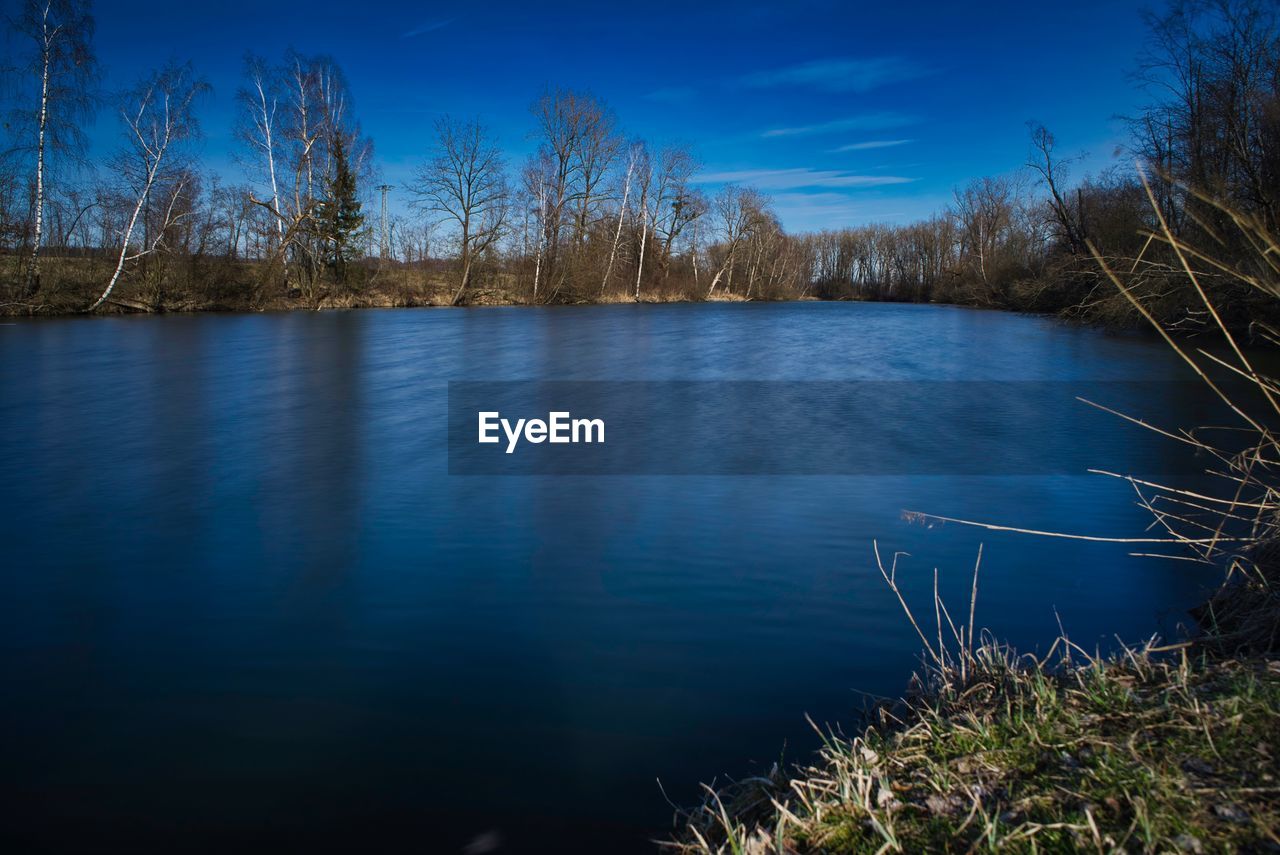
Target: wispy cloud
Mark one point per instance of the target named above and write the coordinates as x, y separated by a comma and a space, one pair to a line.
428, 27
812, 211
869, 144
869, 122
839, 74
799, 178
671, 94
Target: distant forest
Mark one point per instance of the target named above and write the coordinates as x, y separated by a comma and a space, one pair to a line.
596, 215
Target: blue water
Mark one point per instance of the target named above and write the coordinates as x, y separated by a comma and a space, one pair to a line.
244, 603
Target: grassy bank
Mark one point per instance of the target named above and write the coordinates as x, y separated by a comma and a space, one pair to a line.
237, 286
1153, 749
1148, 751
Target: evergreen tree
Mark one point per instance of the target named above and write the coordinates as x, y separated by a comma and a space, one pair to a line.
341, 220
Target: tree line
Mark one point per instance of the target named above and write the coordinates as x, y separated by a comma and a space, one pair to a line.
595, 214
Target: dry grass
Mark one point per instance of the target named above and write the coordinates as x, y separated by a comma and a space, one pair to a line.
1139, 753
201, 284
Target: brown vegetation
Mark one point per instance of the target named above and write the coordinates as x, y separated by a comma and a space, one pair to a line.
595, 216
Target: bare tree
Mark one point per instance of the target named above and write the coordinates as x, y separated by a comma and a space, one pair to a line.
259, 101
633, 161
676, 205
158, 118
63, 65
597, 147
667, 204
987, 210
1053, 174
465, 182
578, 144
644, 173
539, 181
558, 115
12, 204
314, 117
1212, 68
740, 211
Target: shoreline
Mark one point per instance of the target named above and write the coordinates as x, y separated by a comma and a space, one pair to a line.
1151, 748
377, 300
117, 308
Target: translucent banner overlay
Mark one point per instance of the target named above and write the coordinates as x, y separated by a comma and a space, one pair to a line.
826, 427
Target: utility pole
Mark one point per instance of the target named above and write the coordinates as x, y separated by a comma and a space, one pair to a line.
386, 241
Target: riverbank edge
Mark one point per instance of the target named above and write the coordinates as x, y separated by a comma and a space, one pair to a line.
1171, 748
61, 306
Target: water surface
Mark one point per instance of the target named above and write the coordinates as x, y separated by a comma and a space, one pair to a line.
243, 601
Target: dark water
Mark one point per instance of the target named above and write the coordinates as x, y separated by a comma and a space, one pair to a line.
244, 602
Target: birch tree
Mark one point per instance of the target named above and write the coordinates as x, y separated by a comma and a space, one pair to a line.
740, 211
62, 67
633, 161
258, 128
558, 115
578, 143
465, 183
158, 119
305, 107
539, 179
644, 178
304, 137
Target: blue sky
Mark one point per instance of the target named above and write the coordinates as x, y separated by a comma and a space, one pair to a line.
845, 112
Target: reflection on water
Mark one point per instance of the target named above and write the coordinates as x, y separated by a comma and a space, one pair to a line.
243, 599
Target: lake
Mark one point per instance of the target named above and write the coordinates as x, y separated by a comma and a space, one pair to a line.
245, 601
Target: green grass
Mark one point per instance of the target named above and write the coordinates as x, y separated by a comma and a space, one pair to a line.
1141, 753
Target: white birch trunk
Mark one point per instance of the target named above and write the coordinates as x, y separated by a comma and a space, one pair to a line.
542, 237
751, 274
715, 280
33, 264
268, 139
644, 239
128, 235
695, 255
617, 235
728, 264
156, 155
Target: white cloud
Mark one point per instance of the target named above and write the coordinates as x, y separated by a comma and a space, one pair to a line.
429, 27
868, 122
802, 212
792, 179
869, 144
840, 74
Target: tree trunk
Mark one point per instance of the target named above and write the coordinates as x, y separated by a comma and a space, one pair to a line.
128, 233
465, 260
715, 280
644, 239
537, 263
695, 255
275, 190
33, 264
617, 235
